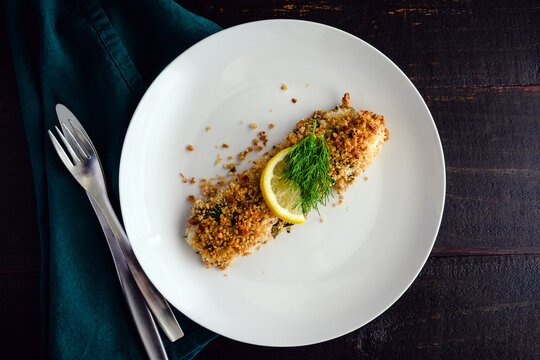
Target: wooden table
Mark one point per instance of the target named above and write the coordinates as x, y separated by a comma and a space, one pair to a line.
478, 297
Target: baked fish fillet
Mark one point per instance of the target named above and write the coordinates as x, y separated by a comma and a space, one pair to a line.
233, 220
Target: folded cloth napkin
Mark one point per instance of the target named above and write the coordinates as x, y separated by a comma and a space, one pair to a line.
97, 58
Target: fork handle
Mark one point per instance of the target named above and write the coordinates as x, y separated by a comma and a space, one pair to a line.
156, 302
139, 311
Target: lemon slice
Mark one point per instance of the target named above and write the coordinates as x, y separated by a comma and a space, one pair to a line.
280, 197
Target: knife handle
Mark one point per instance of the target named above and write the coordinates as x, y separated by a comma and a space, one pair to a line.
137, 306
155, 301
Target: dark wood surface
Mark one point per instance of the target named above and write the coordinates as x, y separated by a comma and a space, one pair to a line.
477, 65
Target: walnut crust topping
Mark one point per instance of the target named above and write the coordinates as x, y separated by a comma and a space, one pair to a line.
233, 220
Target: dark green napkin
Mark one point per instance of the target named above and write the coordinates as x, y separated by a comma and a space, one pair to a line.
97, 58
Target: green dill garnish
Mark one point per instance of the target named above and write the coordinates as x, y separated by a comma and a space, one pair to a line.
307, 167
215, 212
275, 230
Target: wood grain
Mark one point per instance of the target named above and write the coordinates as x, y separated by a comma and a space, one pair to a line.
436, 43
19, 243
476, 65
492, 154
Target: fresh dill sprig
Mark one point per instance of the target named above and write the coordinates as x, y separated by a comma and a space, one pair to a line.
307, 168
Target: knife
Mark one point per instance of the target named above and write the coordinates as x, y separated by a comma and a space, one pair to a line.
157, 304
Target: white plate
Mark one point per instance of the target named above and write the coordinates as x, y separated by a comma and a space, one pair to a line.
322, 280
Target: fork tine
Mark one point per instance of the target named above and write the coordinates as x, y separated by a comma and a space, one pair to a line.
83, 137
68, 146
73, 140
60, 151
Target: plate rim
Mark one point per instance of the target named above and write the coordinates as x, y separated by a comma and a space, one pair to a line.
121, 178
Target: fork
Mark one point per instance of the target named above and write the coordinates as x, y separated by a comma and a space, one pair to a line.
83, 146
86, 168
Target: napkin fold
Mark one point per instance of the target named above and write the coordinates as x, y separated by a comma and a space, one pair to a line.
97, 58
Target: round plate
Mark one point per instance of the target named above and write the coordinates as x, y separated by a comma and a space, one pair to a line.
323, 279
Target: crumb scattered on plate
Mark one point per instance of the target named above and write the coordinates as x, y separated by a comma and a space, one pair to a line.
208, 128
284, 87
253, 126
294, 100
190, 147
230, 167
184, 179
263, 138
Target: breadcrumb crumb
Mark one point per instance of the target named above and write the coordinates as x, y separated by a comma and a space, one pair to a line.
253, 126
230, 167
184, 179
271, 126
323, 219
218, 160
191, 199
243, 154
193, 180
263, 138
208, 128
190, 147
284, 87
225, 146
294, 100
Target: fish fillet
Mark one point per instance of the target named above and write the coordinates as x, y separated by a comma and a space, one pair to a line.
233, 220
